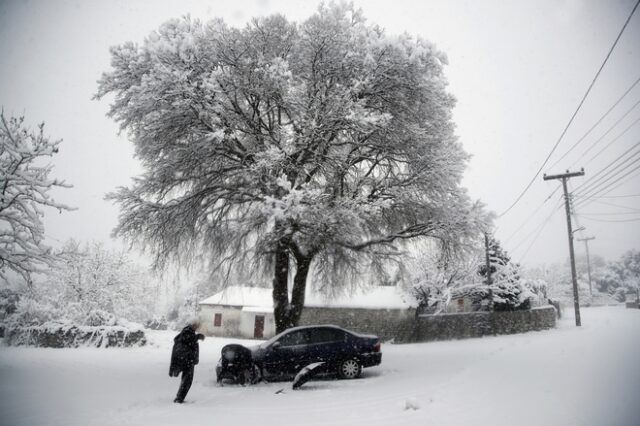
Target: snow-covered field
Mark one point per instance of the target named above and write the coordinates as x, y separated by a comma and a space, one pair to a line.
567, 376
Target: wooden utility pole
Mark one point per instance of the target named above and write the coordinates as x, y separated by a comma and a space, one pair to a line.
564, 177
586, 246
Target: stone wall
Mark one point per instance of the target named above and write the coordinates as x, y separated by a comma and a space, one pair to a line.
478, 324
385, 323
402, 326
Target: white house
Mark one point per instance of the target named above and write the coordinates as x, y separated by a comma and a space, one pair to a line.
247, 312
239, 311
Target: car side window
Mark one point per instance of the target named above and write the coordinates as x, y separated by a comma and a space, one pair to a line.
294, 338
326, 335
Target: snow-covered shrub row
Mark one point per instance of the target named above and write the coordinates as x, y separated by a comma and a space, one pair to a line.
61, 335
40, 323
156, 324
88, 286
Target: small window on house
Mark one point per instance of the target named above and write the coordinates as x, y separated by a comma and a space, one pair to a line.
217, 320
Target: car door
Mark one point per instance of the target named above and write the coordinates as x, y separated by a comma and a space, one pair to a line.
326, 344
287, 355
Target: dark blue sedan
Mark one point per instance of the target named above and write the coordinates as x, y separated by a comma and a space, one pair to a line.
343, 352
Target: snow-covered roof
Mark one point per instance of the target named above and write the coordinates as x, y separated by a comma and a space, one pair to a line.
369, 298
241, 296
257, 309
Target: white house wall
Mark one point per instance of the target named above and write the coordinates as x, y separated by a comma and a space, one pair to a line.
229, 326
248, 320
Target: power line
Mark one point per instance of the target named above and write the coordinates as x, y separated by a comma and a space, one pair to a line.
539, 232
591, 199
614, 205
606, 59
595, 179
531, 215
584, 202
598, 122
536, 231
612, 141
619, 196
610, 221
600, 188
611, 214
611, 174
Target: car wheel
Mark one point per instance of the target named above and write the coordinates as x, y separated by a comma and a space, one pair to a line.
349, 369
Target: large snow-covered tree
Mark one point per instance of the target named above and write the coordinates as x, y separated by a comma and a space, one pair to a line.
25, 187
315, 147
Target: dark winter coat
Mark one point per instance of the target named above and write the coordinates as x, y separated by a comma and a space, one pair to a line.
185, 353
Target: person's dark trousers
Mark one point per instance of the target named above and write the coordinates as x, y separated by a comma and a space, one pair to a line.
185, 384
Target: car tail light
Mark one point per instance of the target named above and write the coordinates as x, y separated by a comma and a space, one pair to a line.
376, 347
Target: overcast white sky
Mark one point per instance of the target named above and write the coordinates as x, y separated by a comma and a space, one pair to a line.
518, 69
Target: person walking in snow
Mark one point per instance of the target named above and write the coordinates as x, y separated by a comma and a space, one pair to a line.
184, 357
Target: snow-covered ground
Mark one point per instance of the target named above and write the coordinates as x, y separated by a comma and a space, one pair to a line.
567, 376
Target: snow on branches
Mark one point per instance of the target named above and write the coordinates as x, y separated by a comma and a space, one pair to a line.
89, 285
321, 146
24, 192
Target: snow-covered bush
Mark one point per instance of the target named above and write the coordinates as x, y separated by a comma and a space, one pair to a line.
91, 278
88, 287
607, 280
619, 294
38, 321
65, 335
8, 304
156, 324
536, 290
511, 296
98, 317
434, 281
30, 311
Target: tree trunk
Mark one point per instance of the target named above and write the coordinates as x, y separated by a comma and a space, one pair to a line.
280, 288
299, 289
287, 314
